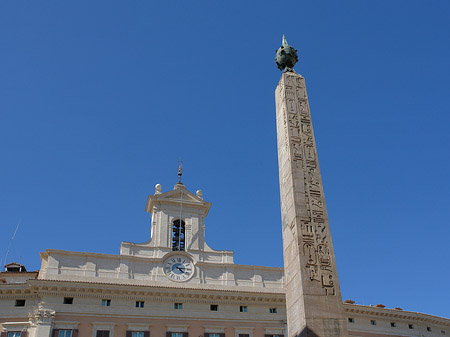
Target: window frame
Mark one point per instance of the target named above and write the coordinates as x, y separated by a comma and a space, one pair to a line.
106, 302
102, 327
65, 331
68, 300
20, 303
243, 332
14, 333
102, 330
214, 334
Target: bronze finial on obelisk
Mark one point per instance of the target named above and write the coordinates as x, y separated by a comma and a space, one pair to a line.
313, 298
286, 57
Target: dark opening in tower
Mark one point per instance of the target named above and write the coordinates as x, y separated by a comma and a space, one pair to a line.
178, 230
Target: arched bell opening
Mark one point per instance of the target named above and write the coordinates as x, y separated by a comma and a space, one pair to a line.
178, 235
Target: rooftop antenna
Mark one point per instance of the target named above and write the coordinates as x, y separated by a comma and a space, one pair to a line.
10, 243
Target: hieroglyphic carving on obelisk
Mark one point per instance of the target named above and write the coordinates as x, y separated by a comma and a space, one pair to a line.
313, 299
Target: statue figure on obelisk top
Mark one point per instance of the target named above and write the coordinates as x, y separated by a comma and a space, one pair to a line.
313, 298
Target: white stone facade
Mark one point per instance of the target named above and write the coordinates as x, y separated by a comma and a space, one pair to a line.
143, 264
90, 292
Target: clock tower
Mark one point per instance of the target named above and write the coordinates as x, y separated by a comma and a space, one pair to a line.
177, 244
178, 219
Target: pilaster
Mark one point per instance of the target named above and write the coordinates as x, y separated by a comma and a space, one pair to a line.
41, 321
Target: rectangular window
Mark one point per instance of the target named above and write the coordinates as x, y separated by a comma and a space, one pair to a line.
20, 303
137, 334
428, 328
102, 333
106, 303
244, 335
411, 326
243, 308
68, 300
273, 310
139, 304
214, 307
351, 320
178, 305
13, 334
443, 332
214, 335
177, 334
393, 325
373, 322
65, 333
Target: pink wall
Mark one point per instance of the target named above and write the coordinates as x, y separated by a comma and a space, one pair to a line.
159, 326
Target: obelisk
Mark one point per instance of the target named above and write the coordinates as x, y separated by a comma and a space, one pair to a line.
313, 299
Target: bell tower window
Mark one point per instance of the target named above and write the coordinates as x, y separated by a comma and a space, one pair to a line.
178, 235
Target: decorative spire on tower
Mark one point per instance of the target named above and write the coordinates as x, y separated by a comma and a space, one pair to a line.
180, 170
286, 57
179, 184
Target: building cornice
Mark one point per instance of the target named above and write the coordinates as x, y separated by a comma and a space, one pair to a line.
164, 285
395, 314
156, 293
36, 288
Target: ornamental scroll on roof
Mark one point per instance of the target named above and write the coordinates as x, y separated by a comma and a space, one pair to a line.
286, 57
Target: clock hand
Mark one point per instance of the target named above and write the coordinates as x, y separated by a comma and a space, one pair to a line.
182, 270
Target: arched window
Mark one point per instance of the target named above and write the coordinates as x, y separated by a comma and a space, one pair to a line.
178, 237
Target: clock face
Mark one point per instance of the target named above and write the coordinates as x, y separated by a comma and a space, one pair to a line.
178, 268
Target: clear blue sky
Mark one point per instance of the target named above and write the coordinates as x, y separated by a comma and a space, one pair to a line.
99, 100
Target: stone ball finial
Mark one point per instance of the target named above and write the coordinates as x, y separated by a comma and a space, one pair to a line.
158, 189
199, 194
286, 57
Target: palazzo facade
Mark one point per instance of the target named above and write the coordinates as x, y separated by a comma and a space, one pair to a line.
174, 285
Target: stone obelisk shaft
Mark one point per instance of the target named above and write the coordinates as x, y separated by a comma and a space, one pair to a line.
313, 298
